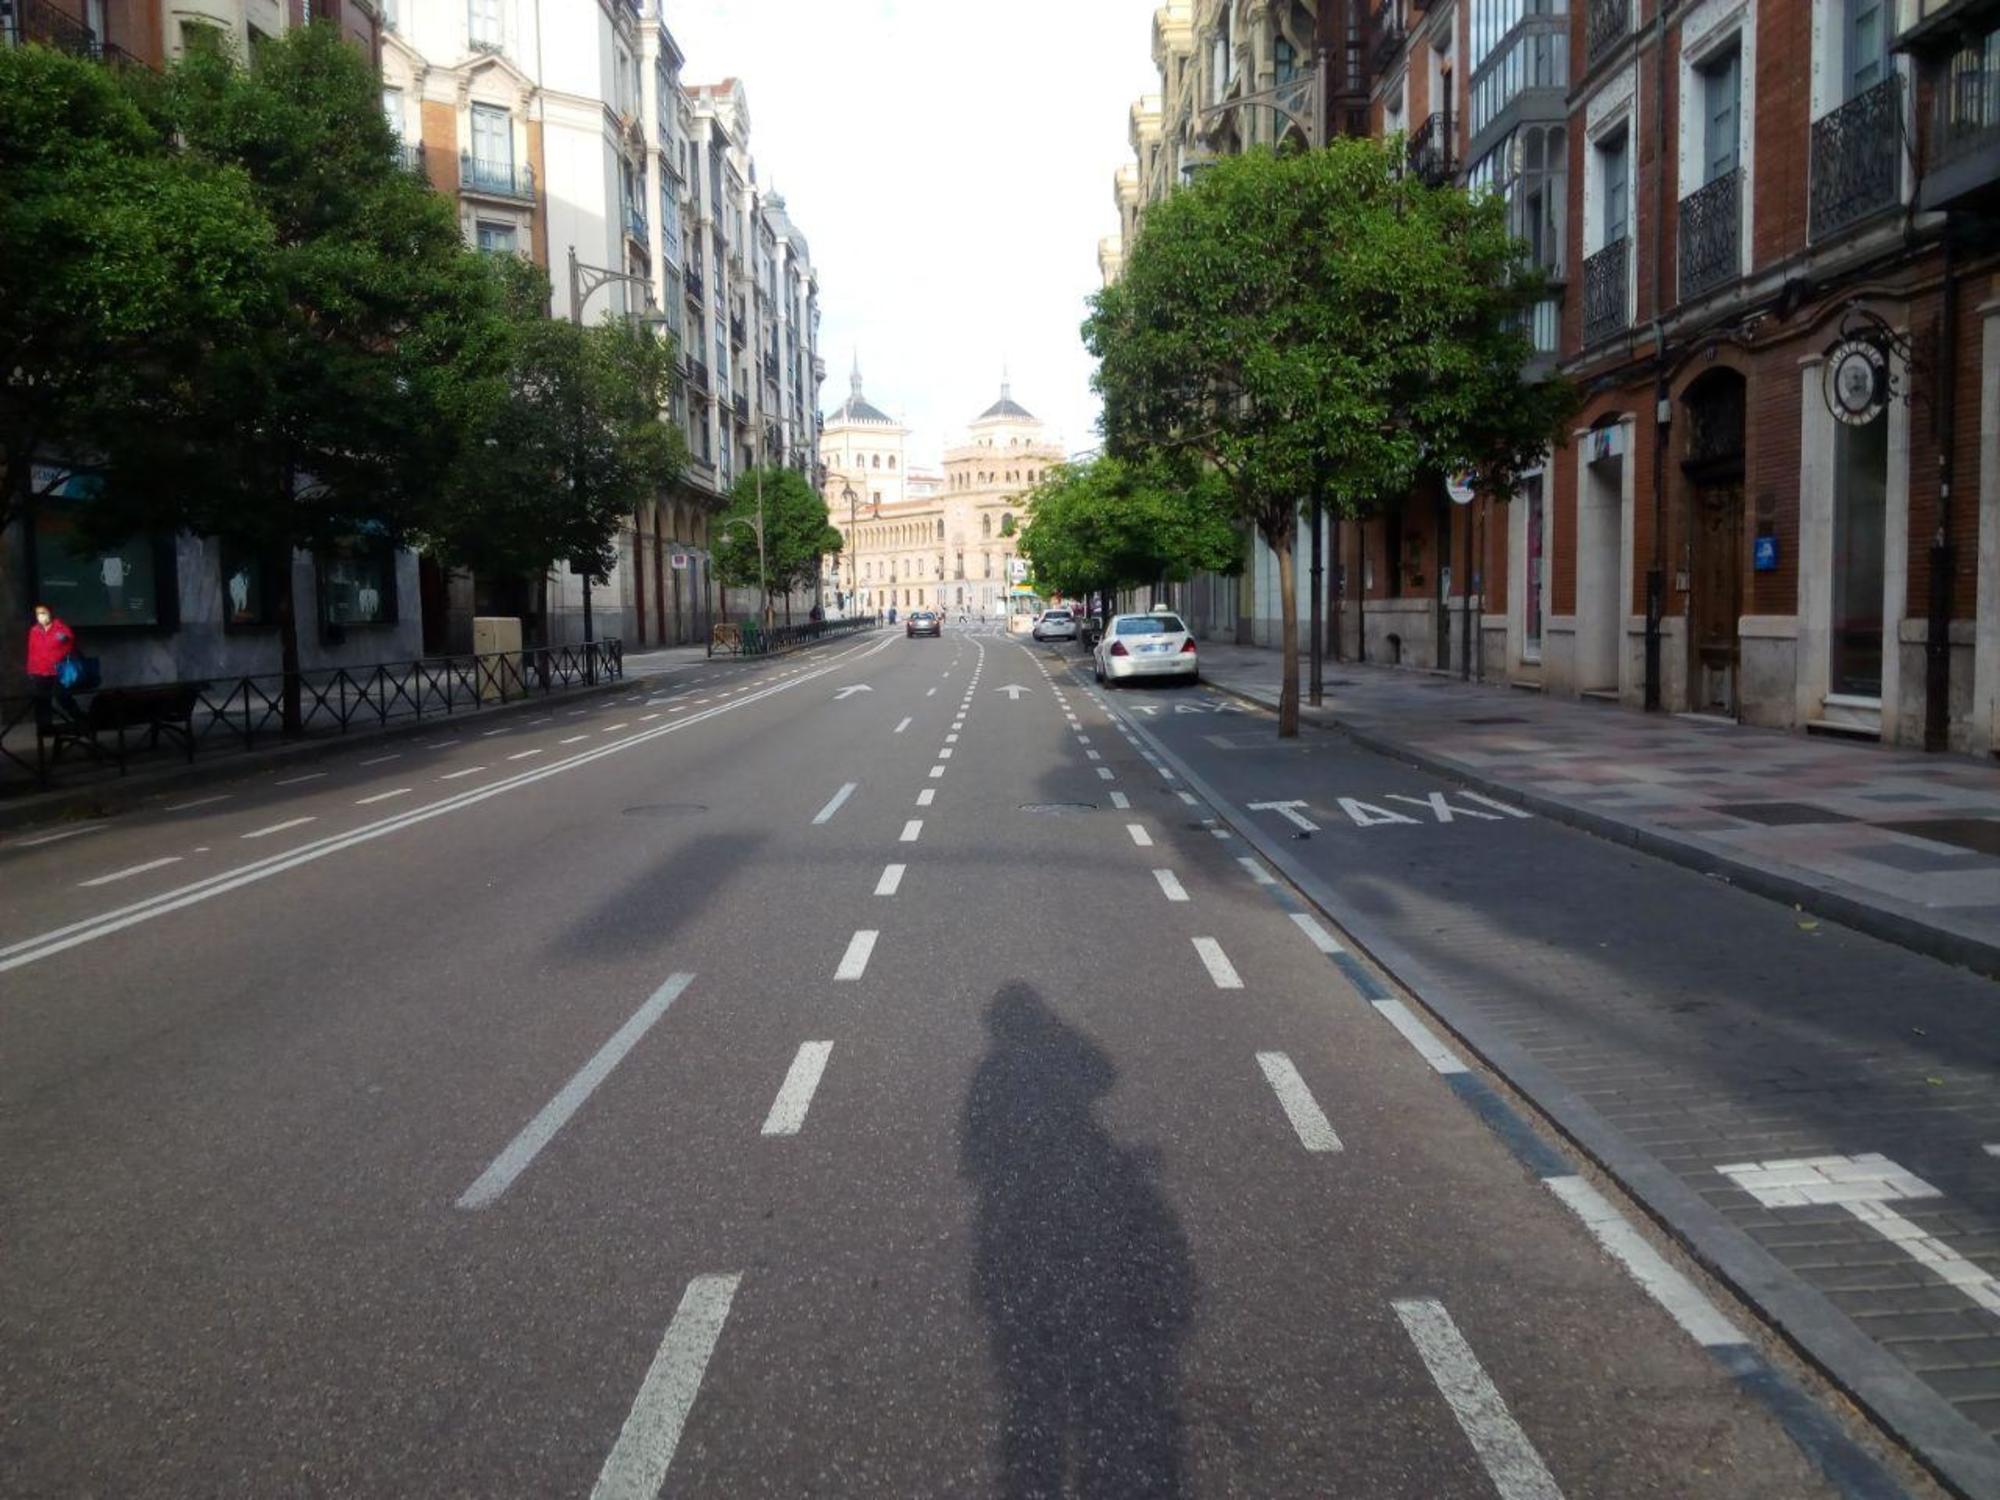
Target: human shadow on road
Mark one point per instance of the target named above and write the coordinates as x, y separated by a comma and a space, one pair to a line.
1080, 1267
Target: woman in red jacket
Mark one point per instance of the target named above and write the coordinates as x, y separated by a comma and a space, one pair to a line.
49, 644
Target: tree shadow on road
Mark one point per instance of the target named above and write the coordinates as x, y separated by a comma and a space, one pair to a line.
1081, 1268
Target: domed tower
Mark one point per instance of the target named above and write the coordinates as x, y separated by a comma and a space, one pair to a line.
1007, 451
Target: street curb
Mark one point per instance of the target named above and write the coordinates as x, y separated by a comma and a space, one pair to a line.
1892, 924
1916, 1417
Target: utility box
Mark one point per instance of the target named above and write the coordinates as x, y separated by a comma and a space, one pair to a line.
496, 641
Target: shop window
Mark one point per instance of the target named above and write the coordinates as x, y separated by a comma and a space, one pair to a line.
128, 585
250, 585
357, 586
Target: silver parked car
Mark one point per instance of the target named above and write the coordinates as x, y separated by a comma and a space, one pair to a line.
1154, 645
1056, 625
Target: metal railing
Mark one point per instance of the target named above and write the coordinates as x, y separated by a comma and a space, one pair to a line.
741, 405
736, 334
1966, 115
503, 178
698, 374
1607, 24
241, 712
635, 223
1386, 27
1855, 152
411, 155
1605, 288
695, 289
1711, 235
42, 22
1433, 152
750, 638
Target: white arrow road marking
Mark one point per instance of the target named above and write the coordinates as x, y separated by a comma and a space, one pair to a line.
638, 1462
1315, 1131
1289, 812
851, 690
788, 1110
834, 802
1150, 710
1013, 690
1509, 1458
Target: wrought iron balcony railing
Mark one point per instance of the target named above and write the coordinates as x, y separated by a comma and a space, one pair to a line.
1606, 283
741, 404
635, 223
736, 335
501, 178
694, 287
698, 374
1389, 36
411, 155
1855, 153
1608, 23
1433, 153
1711, 235
44, 23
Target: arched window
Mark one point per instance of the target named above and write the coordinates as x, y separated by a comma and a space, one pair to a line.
987, 559
985, 525
878, 461
892, 460
1006, 523
940, 530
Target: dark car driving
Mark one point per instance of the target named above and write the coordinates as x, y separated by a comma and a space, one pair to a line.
924, 622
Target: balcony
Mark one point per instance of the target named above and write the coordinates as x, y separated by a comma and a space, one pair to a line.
1711, 235
57, 29
771, 368
636, 227
741, 406
1388, 37
1608, 23
695, 288
1433, 154
698, 375
1855, 154
736, 335
496, 179
1606, 282
819, 371
410, 156
1964, 161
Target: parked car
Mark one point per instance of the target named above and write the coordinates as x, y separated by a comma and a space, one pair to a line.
923, 622
1055, 625
1152, 645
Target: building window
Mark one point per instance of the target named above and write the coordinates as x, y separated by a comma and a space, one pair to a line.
1867, 45
131, 583
492, 141
392, 111
1722, 105
1613, 176
496, 239
483, 23
892, 460
249, 587
357, 586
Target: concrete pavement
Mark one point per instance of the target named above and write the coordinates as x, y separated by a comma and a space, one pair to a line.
843, 1077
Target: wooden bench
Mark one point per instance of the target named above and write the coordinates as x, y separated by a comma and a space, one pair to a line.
167, 708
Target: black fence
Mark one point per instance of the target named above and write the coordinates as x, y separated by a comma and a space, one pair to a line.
94, 733
751, 639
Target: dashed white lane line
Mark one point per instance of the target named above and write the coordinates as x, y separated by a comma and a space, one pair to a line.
902, 726
1420, 1036
647, 718
1120, 800
400, 791
1105, 773
438, 744
788, 1110
930, 692
131, 870
295, 780
280, 827
1092, 755
912, 831
892, 877
487, 734
936, 771
854, 962
1139, 835
1508, 1457
1699, 1318
926, 797
468, 771
380, 760
945, 753
575, 739
538, 1132
638, 1462
1188, 797
1257, 871
198, 802
1315, 1131
523, 755
833, 803
614, 728
1316, 934
1220, 969
1170, 885
951, 739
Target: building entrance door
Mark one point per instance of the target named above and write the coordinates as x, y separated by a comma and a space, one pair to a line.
1716, 605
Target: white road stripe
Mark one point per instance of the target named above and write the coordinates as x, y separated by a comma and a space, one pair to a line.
788, 1110
468, 771
381, 759
523, 755
1683, 1300
1120, 800
198, 802
638, 1462
538, 1132
280, 827
1170, 885
1105, 773
1092, 755
1308, 1119
930, 692
1420, 1036
926, 797
1509, 1458
487, 734
614, 728
945, 754
833, 803
295, 780
1188, 797
854, 962
951, 739
1318, 935
1220, 969
400, 791
892, 876
912, 831
647, 718
575, 739
936, 771
115, 875
1139, 835
1257, 871
901, 727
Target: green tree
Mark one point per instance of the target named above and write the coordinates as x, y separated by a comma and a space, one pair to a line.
797, 533
1322, 322
1104, 524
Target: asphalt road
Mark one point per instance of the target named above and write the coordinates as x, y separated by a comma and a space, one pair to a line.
840, 1076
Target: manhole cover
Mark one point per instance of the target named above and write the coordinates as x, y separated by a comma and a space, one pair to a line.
665, 810
1057, 809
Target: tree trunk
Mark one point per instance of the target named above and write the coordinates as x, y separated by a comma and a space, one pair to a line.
291, 718
1288, 693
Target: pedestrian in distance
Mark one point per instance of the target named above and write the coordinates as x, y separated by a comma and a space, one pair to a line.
50, 644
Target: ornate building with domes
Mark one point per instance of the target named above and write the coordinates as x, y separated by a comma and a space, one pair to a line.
913, 541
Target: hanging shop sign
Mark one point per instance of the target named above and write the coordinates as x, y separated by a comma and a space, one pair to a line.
1459, 487
1856, 380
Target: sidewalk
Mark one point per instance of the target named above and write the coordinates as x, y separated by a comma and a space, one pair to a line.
1900, 845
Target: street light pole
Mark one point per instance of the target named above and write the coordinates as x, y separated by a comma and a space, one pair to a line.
853, 544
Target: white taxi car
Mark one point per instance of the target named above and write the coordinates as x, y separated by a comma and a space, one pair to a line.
1137, 646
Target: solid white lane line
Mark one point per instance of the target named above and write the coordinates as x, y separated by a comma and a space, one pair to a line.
280, 827
198, 802
1139, 835
1315, 1131
523, 755
116, 875
1105, 773
1318, 935
638, 1463
468, 771
854, 962
1509, 1458
788, 1110
833, 803
380, 760
538, 1132
912, 830
1699, 1318
1420, 1036
892, 876
1220, 969
902, 726
1256, 868
1170, 885
1120, 800
295, 780
926, 797
381, 796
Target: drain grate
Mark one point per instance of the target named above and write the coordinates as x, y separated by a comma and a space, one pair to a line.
1058, 809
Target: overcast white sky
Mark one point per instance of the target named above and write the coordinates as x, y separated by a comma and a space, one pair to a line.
950, 165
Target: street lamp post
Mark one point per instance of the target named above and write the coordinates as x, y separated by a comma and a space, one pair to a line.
853, 545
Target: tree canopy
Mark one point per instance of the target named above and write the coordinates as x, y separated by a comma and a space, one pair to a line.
1105, 524
1322, 323
797, 533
